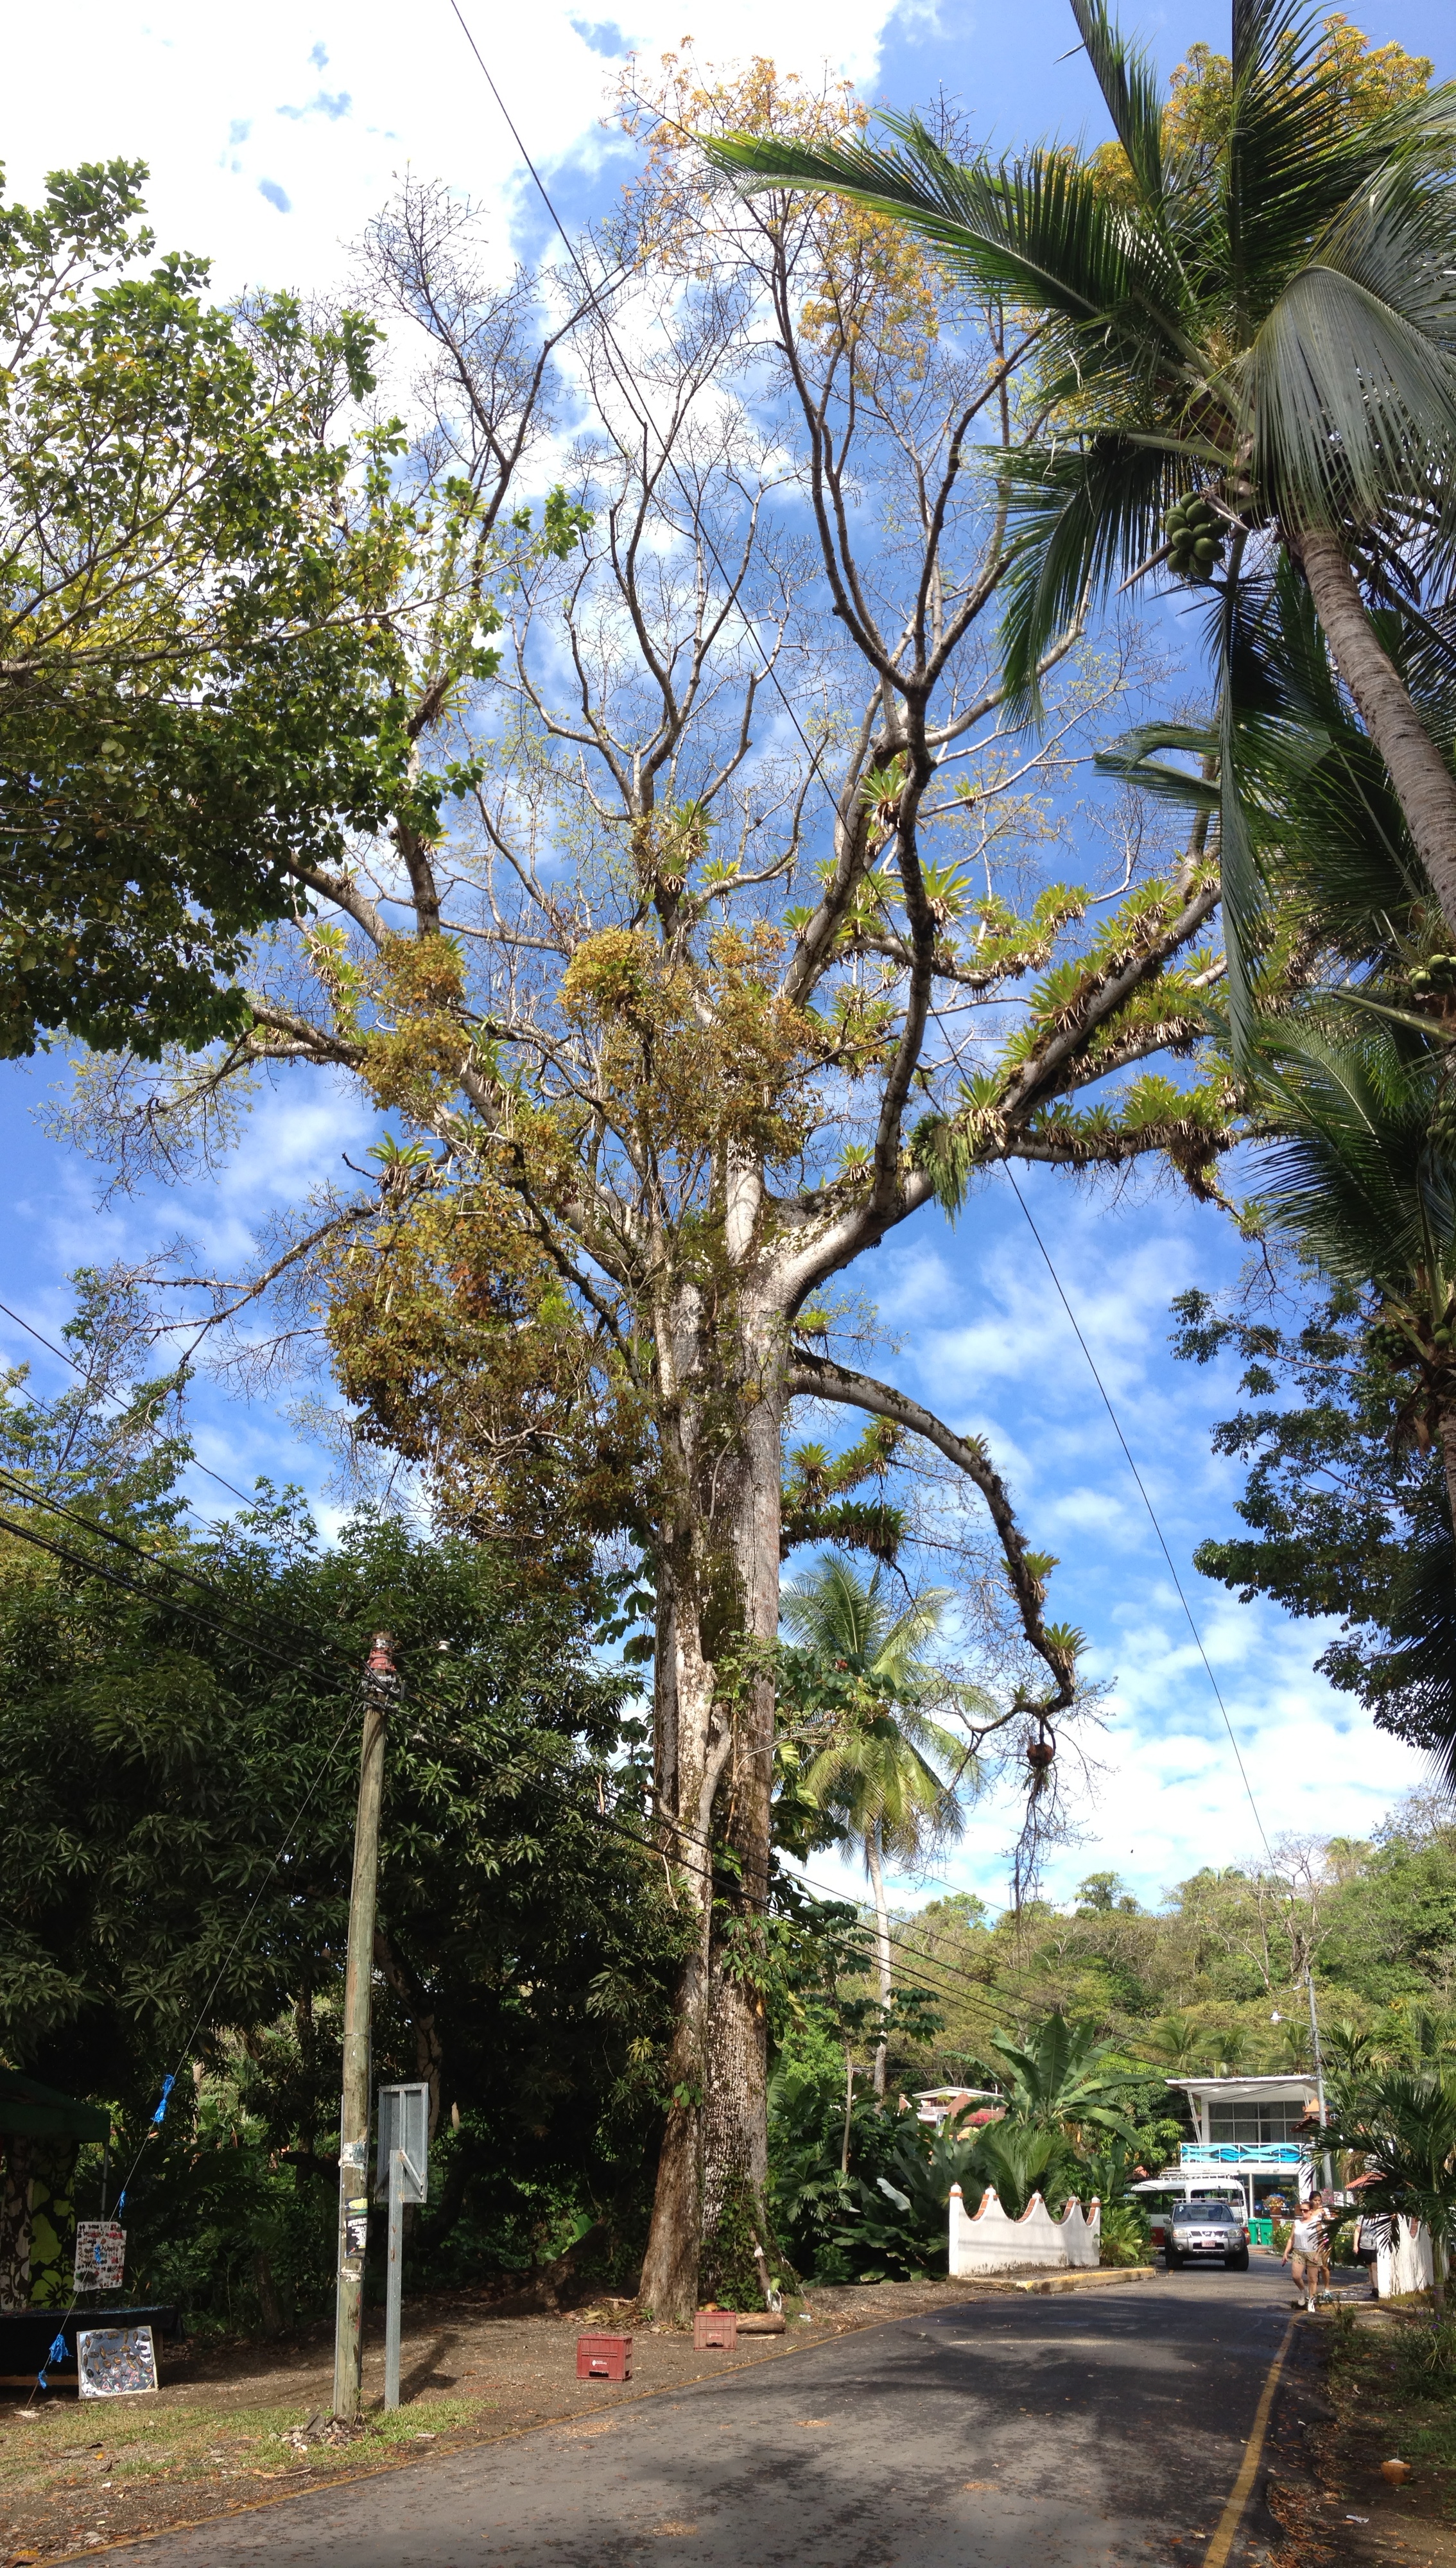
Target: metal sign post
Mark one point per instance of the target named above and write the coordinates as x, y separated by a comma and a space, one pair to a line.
402, 2174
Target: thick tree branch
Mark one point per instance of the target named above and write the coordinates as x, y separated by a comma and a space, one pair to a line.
818, 1377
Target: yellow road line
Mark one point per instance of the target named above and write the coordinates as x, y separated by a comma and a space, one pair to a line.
1233, 2513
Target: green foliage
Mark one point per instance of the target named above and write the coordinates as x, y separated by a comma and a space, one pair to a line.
817, 1504
1348, 1508
150, 1764
876, 1775
207, 590
1126, 2234
872, 2202
1213, 325
1404, 2127
1063, 2077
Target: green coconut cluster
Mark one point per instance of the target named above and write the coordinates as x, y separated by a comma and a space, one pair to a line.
1195, 535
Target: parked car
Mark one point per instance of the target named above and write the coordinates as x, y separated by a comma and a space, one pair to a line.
1206, 2229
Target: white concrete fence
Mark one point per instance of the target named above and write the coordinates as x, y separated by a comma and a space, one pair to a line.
989, 2241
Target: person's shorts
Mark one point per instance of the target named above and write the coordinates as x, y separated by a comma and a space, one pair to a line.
1305, 2268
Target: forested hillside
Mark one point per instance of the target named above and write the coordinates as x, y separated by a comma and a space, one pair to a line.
1213, 1978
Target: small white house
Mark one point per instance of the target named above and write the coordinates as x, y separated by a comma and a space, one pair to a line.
940, 2104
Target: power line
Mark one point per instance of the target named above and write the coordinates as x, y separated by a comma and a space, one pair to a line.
10, 1481
944, 1972
985, 1990
627, 388
249, 1640
1147, 1502
52, 1349
170, 2081
134, 1587
241, 1638
929, 1973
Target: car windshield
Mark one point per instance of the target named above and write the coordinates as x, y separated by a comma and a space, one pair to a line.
1199, 2212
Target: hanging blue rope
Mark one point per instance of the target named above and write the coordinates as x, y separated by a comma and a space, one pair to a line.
158, 2118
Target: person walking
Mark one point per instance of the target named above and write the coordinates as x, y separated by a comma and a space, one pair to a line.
1305, 2252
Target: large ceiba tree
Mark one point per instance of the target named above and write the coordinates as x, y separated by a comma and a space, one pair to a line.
1248, 307
736, 943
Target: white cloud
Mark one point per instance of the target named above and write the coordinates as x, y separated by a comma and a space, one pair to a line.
274, 136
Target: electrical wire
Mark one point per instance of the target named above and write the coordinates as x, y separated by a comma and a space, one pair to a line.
52, 1349
170, 2081
232, 1632
627, 387
134, 1587
152, 1560
945, 1972
1147, 1502
985, 1990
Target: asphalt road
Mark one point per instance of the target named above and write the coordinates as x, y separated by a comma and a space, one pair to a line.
1069, 2432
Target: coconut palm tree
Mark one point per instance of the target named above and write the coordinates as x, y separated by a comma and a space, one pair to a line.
877, 1773
1231, 2046
1178, 2041
1364, 1177
1246, 346
1404, 2126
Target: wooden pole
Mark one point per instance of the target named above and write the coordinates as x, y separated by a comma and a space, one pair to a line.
380, 1682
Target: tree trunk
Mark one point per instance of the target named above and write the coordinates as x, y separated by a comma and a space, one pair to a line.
1448, 1454
15, 2225
270, 2301
874, 1858
1424, 786
717, 1600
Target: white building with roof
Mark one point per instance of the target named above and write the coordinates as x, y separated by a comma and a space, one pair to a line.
1255, 2137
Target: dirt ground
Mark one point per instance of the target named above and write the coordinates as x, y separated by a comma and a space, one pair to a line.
1346, 2409
242, 2423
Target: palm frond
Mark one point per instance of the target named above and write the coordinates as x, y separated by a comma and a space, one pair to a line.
1079, 517
1133, 97
1347, 399
1130, 758
1354, 1174
1036, 228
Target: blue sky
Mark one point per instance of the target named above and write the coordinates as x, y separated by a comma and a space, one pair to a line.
272, 139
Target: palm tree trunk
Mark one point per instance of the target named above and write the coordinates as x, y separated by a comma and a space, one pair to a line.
1424, 786
873, 1853
1446, 1429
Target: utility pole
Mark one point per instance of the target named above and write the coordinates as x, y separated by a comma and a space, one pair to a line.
380, 1684
1318, 2071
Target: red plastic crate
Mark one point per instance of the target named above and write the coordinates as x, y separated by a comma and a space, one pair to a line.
716, 2327
604, 2358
